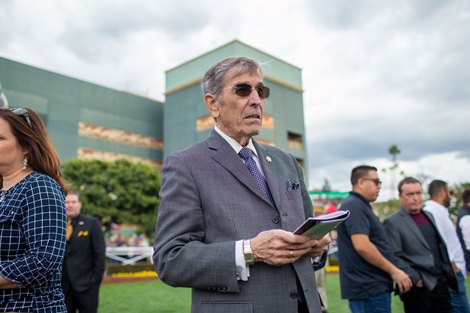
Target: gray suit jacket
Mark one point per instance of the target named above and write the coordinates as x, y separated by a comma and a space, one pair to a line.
209, 200
412, 252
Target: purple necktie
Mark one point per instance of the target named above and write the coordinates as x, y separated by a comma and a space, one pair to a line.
250, 163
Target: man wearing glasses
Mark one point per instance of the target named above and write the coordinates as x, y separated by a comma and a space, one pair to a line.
365, 257
229, 206
440, 195
421, 252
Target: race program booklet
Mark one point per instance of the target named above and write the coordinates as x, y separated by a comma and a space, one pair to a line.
317, 227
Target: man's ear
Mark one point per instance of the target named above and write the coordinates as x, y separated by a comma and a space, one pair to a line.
442, 193
211, 105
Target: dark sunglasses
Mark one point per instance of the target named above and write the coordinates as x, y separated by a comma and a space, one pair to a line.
375, 180
22, 112
244, 90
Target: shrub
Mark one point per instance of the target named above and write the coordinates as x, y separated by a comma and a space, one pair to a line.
128, 268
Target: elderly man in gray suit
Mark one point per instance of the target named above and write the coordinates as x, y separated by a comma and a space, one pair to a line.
229, 206
420, 252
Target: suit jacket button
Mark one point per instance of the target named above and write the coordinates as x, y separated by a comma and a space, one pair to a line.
293, 295
276, 219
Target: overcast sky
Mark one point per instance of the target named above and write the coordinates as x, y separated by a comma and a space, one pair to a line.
375, 73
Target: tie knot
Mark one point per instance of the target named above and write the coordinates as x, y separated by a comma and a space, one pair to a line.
245, 153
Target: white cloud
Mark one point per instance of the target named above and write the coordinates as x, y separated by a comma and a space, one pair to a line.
375, 73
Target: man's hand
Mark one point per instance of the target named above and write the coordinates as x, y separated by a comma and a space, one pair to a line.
280, 247
320, 246
402, 279
455, 267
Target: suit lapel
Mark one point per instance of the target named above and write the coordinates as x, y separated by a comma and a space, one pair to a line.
408, 221
224, 154
271, 179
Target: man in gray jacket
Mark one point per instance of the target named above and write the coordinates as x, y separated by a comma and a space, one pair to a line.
421, 252
229, 205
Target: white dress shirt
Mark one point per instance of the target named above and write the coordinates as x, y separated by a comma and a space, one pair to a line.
465, 227
448, 233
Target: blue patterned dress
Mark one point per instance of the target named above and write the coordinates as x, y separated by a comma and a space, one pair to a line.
32, 245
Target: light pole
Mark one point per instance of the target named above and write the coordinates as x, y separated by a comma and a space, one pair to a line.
3, 99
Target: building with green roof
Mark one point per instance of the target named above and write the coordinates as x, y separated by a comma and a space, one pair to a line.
89, 121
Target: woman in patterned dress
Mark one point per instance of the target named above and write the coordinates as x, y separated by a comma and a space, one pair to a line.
32, 216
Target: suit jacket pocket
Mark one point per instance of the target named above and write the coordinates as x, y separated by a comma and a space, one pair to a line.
223, 307
293, 194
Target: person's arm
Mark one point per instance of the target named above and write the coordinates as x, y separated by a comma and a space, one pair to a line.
319, 253
465, 227
448, 233
400, 260
45, 246
6, 284
369, 252
99, 249
181, 256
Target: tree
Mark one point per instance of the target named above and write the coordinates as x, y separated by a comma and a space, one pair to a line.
456, 202
393, 150
118, 191
384, 209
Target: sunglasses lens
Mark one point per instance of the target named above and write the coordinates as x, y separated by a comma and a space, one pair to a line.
263, 91
244, 90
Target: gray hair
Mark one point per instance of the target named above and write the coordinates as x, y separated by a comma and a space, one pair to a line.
214, 77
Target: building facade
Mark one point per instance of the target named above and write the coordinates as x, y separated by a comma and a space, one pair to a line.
89, 121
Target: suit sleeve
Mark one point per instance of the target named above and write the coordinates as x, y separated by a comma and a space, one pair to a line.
99, 250
43, 227
400, 259
308, 209
307, 202
181, 256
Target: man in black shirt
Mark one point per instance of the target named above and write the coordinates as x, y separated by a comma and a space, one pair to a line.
421, 252
366, 270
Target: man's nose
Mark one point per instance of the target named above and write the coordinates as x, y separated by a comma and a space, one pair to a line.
254, 97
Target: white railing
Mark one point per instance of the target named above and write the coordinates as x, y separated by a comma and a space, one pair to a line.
129, 255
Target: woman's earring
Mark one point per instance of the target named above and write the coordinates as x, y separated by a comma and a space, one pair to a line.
25, 163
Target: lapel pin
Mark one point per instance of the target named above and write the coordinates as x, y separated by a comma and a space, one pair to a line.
80, 223
268, 158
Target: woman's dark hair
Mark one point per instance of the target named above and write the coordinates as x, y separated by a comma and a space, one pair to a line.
31, 134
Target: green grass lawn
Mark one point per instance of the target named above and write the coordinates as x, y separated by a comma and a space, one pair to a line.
156, 297
144, 297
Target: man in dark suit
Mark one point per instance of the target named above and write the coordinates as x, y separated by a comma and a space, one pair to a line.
229, 206
84, 261
421, 252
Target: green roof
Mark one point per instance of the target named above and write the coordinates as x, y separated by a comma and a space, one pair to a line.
191, 72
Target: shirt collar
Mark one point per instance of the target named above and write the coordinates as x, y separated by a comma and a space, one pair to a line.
234, 144
435, 205
358, 195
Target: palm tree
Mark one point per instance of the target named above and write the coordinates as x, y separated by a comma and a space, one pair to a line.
393, 150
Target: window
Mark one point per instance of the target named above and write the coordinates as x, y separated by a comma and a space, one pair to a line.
294, 141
